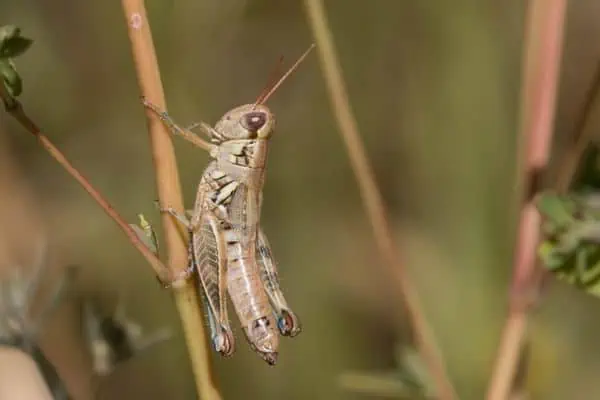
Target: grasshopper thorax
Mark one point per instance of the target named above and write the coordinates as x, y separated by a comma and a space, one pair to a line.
250, 121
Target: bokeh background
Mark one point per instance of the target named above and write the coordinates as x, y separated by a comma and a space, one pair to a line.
435, 87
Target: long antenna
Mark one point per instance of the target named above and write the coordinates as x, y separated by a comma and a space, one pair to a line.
263, 98
271, 81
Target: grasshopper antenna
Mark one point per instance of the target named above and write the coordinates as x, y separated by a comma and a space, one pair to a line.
265, 96
271, 81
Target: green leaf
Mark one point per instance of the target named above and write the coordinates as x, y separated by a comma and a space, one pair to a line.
410, 380
12, 44
383, 384
558, 210
145, 232
14, 47
10, 77
550, 257
412, 369
8, 31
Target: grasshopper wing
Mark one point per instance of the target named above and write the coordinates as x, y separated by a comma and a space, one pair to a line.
208, 251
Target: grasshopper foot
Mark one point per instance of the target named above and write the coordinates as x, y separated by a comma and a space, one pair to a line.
177, 280
152, 106
288, 323
182, 218
223, 342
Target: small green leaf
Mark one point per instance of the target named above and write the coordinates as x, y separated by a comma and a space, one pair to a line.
557, 209
550, 257
145, 232
12, 44
8, 31
15, 47
10, 77
383, 384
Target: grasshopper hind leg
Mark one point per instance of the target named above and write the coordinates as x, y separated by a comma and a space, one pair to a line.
288, 322
221, 335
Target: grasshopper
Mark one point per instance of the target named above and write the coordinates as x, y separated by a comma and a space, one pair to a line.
227, 247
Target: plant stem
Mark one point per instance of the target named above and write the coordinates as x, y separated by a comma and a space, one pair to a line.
17, 111
371, 195
169, 193
581, 140
542, 58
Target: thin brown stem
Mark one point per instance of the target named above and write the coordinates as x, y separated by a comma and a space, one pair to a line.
17, 111
581, 138
542, 57
371, 196
169, 193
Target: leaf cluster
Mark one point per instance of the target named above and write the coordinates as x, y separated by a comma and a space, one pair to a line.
12, 44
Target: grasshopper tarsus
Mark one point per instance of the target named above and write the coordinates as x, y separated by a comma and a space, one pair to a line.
175, 129
162, 114
177, 280
181, 218
289, 324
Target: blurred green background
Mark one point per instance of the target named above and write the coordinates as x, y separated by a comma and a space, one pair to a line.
435, 87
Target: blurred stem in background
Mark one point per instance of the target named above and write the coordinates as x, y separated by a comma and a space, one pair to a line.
583, 137
371, 196
542, 58
169, 194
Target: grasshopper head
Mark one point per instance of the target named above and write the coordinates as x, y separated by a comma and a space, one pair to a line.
264, 338
249, 121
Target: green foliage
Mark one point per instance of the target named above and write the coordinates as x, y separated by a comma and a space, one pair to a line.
12, 44
146, 233
571, 248
409, 381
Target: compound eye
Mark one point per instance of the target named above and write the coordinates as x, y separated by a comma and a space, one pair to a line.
253, 121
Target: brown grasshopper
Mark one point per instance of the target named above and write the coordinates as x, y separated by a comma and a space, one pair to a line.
227, 246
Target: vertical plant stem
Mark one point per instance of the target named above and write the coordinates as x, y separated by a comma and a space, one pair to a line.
169, 193
371, 196
544, 30
582, 137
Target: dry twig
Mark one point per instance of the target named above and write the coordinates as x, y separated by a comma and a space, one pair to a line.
371, 196
541, 66
169, 193
582, 137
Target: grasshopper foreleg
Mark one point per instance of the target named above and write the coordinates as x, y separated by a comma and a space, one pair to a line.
185, 133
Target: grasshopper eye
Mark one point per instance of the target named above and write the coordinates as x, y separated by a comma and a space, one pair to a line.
253, 121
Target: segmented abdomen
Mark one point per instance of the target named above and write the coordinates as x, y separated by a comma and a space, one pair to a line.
237, 209
246, 291
243, 276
